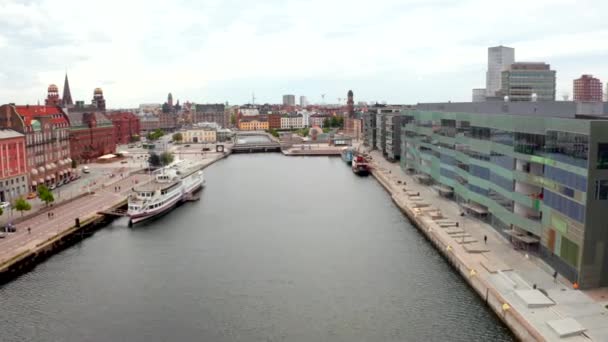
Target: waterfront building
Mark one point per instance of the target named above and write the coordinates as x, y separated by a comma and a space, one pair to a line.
91, 136
211, 113
369, 129
46, 130
536, 172
529, 81
294, 121
499, 59
13, 166
588, 88
126, 126
253, 124
167, 121
274, 121
289, 100
202, 135
479, 94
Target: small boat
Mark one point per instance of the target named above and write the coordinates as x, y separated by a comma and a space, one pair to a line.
347, 155
360, 165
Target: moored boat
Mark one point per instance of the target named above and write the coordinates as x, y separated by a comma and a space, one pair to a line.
360, 165
170, 186
347, 155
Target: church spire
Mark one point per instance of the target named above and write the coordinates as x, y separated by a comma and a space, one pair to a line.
67, 95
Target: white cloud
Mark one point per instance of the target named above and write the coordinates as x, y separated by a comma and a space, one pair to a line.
401, 51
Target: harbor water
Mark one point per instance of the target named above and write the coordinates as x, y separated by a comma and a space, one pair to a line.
277, 249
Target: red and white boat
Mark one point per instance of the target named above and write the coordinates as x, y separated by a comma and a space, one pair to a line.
170, 186
360, 165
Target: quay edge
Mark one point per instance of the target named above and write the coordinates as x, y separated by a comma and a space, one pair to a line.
516, 323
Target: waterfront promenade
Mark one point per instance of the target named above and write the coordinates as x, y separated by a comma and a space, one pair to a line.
85, 206
499, 273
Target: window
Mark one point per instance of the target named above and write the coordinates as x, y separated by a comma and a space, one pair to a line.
602, 156
601, 190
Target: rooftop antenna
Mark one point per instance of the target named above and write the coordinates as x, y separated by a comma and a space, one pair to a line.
322, 98
253, 98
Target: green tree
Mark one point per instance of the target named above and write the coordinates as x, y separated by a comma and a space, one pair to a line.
326, 122
1, 211
22, 205
45, 194
274, 132
233, 119
166, 158
135, 138
154, 160
157, 134
178, 137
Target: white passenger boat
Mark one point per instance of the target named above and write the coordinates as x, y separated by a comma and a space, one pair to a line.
170, 186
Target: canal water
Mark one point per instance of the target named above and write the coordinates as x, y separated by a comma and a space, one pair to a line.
277, 249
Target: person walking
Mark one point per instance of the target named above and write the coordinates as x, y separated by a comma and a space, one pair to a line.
29, 230
485, 239
555, 277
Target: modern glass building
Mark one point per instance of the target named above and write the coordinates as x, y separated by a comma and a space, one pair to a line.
537, 173
521, 80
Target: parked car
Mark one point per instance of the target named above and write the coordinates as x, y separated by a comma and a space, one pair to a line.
4, 205
31, 195
187, 145
2, 235
10, 228
85, 169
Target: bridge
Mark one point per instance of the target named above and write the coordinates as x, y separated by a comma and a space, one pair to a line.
252, 142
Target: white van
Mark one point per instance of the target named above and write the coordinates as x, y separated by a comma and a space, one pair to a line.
85, 169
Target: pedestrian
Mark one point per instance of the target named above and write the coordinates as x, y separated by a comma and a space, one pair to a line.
29, 230
555, 277
534, 286
48, 214
485, 239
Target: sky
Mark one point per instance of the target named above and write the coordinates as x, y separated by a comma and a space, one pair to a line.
209, 51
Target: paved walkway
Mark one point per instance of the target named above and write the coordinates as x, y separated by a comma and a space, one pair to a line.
43, 227
520, 271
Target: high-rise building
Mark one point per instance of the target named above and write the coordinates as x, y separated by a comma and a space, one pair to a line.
479, 94
587, 88
499, 58
289, 100
170, 100
529, 81
67, 94
303, 101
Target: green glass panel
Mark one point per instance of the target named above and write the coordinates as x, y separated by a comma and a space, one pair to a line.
559, 224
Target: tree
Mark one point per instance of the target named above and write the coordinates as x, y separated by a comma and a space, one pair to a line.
22, 205
166, 158
1, 211
45, 194
135, 138
326, 122
154, 160
178, 137
273, 132
233, 119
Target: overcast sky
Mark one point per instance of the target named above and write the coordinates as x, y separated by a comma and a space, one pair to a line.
399, 51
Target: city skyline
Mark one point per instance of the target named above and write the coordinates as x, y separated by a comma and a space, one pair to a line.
218, 51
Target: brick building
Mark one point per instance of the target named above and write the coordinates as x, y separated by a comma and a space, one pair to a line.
148, 123
126, 126
211, 113
274, 121
91, 136
46, 130
13, 165
588, 88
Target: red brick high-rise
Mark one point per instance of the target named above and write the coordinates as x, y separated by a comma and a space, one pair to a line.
588, 88
351, 104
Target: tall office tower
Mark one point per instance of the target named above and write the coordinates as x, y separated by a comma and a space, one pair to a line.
499, 58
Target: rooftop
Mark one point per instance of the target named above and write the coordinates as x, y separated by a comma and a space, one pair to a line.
9, 133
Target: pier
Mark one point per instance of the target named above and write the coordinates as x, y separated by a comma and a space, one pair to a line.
255, 142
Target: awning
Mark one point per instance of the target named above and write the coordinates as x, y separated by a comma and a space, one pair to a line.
48, 166
48, 178
60, 163
34, 172
521, 236
69, 160
41, 169
40, 180
53, 165
107, 156
34, 183
53, 176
